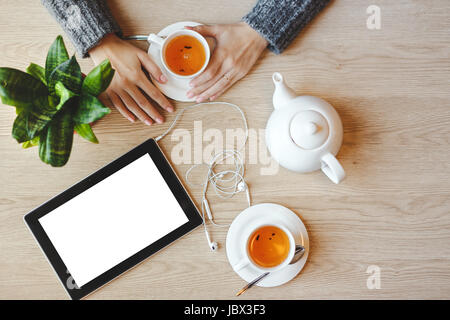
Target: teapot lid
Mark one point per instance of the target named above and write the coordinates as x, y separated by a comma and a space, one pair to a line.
309, 129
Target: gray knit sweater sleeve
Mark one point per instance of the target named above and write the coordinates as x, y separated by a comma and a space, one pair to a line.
280, 21
86, 22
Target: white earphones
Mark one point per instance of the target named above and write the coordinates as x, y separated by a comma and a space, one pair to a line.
205, 207
212, 244
226, 183
243, 186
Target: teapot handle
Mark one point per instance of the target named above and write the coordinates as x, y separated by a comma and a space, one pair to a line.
332, 168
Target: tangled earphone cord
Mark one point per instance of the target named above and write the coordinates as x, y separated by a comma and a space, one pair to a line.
225, 183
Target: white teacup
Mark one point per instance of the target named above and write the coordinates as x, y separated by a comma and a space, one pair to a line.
247, 261
162, 42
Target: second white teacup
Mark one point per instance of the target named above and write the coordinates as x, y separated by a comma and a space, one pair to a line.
268, 236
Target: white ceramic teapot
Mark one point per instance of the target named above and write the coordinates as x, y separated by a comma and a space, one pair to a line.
304, 133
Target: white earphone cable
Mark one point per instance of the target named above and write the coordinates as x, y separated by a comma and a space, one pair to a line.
225, 183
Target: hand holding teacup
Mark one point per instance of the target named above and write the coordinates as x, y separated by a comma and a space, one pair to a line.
130, 85
238, 47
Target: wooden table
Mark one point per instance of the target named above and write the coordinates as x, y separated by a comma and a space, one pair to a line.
391, 88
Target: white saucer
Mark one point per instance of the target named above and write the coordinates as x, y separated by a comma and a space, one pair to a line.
280, 215
174, 88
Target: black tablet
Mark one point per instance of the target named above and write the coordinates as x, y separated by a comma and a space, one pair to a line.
113, 219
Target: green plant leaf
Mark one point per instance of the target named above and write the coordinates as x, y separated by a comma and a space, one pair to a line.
98, 79
31, 143
56, 55
90, 109
69, 73
20, 89
55, 141
85, 131
27, 124
63, 93
37, 71
30, 122
20, 130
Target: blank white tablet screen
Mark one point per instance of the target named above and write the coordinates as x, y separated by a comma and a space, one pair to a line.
113, 220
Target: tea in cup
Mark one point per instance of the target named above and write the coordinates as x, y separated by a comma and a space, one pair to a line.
184, 53
268, 247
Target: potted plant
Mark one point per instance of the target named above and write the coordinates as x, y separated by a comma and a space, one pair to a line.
54, 102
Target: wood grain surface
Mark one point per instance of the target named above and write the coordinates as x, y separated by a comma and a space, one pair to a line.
390, 86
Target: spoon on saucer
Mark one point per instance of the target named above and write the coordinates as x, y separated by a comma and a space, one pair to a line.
299, 252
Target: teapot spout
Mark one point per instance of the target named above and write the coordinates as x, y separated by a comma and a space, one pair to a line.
283, 93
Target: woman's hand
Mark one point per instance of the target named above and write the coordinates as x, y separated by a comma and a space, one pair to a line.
238, 46
130, 84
